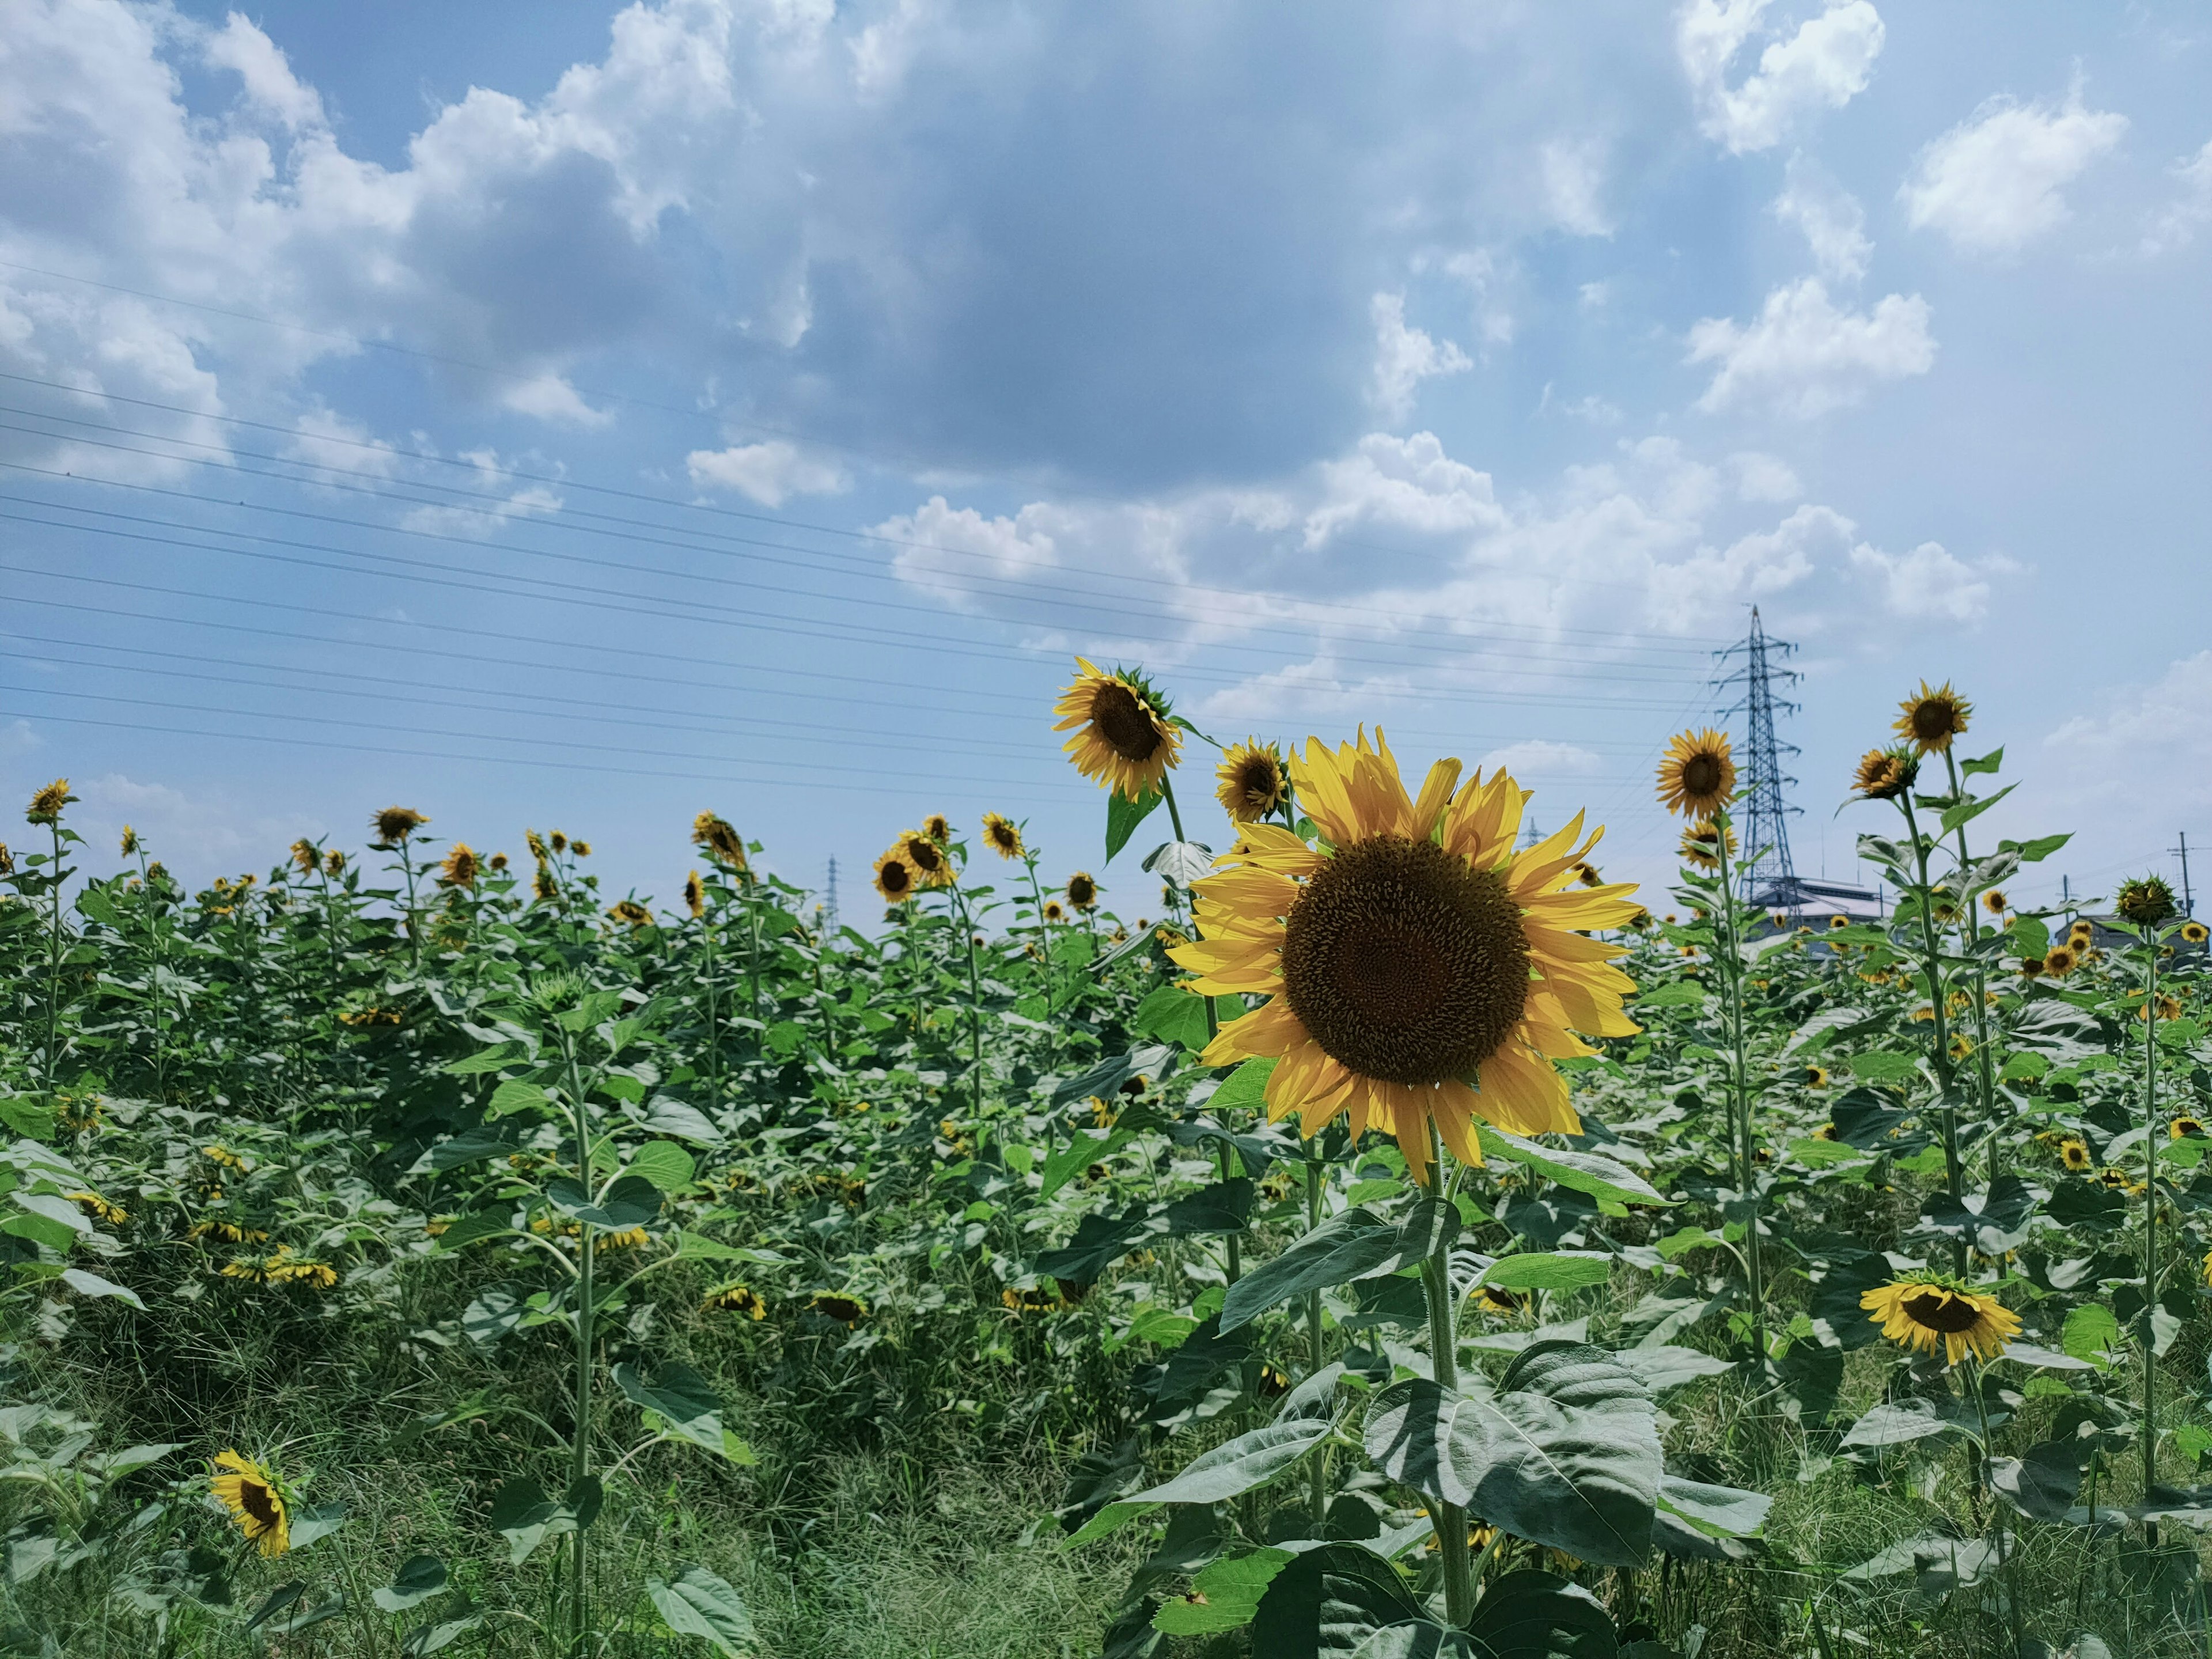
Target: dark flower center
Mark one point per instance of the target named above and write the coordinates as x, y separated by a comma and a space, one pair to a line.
895, 876
1405, 964
1932, 718
1701, 774
922, 852
1124, 721
258, 1501
1940, 1310
1260, 782
1080, 892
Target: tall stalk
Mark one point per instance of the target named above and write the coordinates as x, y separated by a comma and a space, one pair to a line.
1971, 924
1947, 1102
1444, 1360
54, 953
975, 1008
714, 1016
1731, 956
2146, 1326
1316, 1352
1227, 1153
580, 1455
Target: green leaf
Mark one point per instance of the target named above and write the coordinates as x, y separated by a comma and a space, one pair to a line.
1883, 1065
1967, 810
1244, 1090
1354, 1244
1173, 1015
1584, 1172
1716, 1511
686, 1403
630, 1203
27, 1117
1676, 993
1079, 1154
421, 1577
278, 1599
1327, 1601
1551, 1270
1897, 1424
85, 1283
2034, 852
1988, 762
2023, 1068
1220, 1208
2092, 1333
470, 1146
665, 1165
475, 1226
667, 1115
521, 1512
493, 1059
1252, 1459
314, 1523
515, 1095
701, 1604
1227, 1594
1531, 1614
1123, 815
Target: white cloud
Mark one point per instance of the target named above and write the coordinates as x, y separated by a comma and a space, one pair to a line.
1803, 356
2159, 733
548, 397
960, 556
1405, 356
2178, 221
1992, 183
17, 738
770, 472
528, 501
1761, 477
1928, 584
1831, 218
195, 836
1541, 757
1406, 482
1824, 65
1574, 178
270, 85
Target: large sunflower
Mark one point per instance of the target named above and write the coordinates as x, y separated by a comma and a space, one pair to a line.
1930, 719
1002, 835
714, 833
896, 879
1697, 775
931, 862
255, 1500
1924, 1311
1420, 969
1123, 737
1252, 781
394, 825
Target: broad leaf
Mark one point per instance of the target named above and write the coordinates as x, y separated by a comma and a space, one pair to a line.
421, 1577
1123, 815
686, 1403
1353, 1245
699, 1603
1252, 1459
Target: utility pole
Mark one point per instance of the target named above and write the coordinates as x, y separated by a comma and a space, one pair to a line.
1766, 809
2188, 901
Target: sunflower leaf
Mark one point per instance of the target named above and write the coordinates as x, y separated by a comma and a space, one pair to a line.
701, 1604
1584, 1172
1124, 815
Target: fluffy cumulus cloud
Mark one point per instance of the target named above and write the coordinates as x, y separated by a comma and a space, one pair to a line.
1803, 354
770, 472
2148, 745
1822, 65
1405, 356
1831, 219
1994, 183
1930, 584
2190, 210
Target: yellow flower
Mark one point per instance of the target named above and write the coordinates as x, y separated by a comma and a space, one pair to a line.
1002, 835
1886, 773
2195, 932
94, 1204
2184, 1127
543, 884
937, 828
627, 1238
2074, 1155
1701, 844
1697, 775
395, 825
460, 866
1994, 903
305, 857
583, 848
845, 1310
1053, 911
496, 863
932, 863
318, 1275
720, 839
737, 1299
2168, 1008
2030, 967
1924, 1312
629, 913
1495, 1299
2058, 961
1816, 1077
1123, 736
1082, 891
1250, 780
46, 806
334, 863
694, 895
1420, 970
1930, 719
1961, 1045
560, 840
894, 878
218, 1153
255, 1499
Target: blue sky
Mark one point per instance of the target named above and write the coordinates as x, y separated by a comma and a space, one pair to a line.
561, 415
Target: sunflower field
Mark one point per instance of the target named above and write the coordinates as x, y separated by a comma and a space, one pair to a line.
1400, 1240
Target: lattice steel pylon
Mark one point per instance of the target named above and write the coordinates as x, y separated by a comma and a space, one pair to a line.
1768, 873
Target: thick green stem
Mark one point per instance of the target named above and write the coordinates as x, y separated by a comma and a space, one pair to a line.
1444, 1360
2146, 1326
1315, 1350
1731, 956
713, 1018
413, 923
54, 957
1953, 1181
975, 1009
753, 951
1984, 1064
1212, 1030
579, 1456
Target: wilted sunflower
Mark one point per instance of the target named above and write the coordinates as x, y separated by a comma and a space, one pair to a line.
1701, 845
2030, 967
305, 857
721, 842
2183, 1128
737, 1298
1886, 773
560, 840
1123, 736
130, 842
7, 860
581, 848
1924, 1311
1930, 719
2059, 961
543, 883
896, 879
1961, 1045
845, 1310
2145, 900
1002, 835
460, 866
496, 864
1420, 970
2074, 1155
1053, 911
2168, 1008
1082, 892
2195, 932
255, 1499
92, 1203
46, 806
333, 863
694, 895
629, 913
1697, 775
536, 843
394, 825
1250, 780
2115, 1177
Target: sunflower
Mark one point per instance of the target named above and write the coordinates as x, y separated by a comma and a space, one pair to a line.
560, 840
460, 866
1961, 1045
305, 857
2059, 960
1930, 719
2168, 1008
1252, 781
1421, 972
1494, 1299
255, 1498
581, 848
1886, 773
1701, 845
94, 1204
46, 806
2115, 1177
1123, 735
937, 828
737, 1299
2195, 932
896, 879
1055, 911
496, 864
1082, 892
721, 841
1816, 1077
1924, 1311
932, 866
1002, 835
629, 913
543, 883
2184, 1127
7, 860
394, 825
1994, 903
2145, 900
845, 1310
2074, 1153
316, 1275
2030, 967
1697, 775
538, 849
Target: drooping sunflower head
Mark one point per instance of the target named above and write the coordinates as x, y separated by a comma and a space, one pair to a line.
394, 825
1962, 1046
2030, 967
2059, 961
46, 806
844, 1308
720, 841
1082, 892
897, 879
737, 1298
2185, 1128
305, 857
2113, 1176
629, 913
559, 841
1422, 971
2145, 900
1124, 736
2195, 932
1495, 1299
1926, 1312
542, 885
1002, 835
1701, 844
2074, 1153
536, 843
1697, 775
931, 862
1055, 911
694, 895
1251, 782
1886, 773
1929, 719
460, 866
130, 842
937, 828
255, 1500
582, 848
496, 864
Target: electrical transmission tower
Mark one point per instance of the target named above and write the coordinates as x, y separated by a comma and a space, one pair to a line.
1769, 875
830, 916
